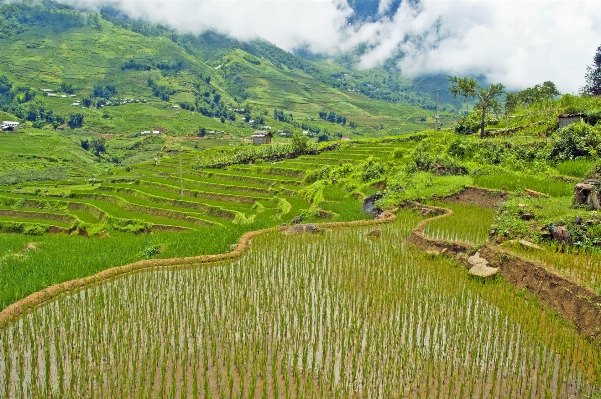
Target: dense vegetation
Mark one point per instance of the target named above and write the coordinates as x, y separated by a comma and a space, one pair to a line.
140, 149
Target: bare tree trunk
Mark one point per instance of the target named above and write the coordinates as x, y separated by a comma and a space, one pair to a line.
482, 122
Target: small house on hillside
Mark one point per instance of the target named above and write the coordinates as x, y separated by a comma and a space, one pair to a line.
9, 126
567, 119
262, 137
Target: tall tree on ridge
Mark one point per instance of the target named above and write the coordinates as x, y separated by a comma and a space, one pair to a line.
468, 88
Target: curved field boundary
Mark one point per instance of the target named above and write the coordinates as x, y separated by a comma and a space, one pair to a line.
14, 312
209, 210
419, 240
247, 178
271, 170
39, 215
243, 199
577, 304
143, 209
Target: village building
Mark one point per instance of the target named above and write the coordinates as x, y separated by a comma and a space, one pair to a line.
567, 119
9, 126
262, 137
158, 130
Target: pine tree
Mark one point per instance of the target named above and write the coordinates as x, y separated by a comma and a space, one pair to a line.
593, 76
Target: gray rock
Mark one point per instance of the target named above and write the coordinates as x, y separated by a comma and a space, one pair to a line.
561, 235
369, 205
374, 233
480, 266
587, 192
304, 228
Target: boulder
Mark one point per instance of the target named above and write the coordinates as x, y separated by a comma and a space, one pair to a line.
561, 235
369, 205
374, 233
535, 194
304, 228
587, 192
527, 216
479, 266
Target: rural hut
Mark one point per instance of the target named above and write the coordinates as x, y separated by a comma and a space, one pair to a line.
9, 126
567, 119
262, 137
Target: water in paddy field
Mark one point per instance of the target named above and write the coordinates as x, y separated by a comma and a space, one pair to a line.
332, 315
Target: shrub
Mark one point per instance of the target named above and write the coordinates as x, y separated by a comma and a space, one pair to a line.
574, 141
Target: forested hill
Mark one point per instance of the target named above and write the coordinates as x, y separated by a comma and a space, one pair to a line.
46, 45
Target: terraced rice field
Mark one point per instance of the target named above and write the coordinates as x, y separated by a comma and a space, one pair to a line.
337, 314
174, 196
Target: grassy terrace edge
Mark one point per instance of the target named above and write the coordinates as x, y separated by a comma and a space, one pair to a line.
15, 311
578, 304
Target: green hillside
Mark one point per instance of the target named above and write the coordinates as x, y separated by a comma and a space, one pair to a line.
153, 69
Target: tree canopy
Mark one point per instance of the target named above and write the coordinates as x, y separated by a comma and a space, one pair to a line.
593, 76
469, 89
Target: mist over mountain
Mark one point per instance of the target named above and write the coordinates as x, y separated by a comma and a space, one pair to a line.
516, 43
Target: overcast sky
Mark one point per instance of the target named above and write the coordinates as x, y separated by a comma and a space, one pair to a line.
517, 43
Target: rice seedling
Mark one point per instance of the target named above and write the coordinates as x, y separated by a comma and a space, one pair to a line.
332, 315
468, 223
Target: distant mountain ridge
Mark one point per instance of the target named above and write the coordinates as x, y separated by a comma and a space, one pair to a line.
49, 44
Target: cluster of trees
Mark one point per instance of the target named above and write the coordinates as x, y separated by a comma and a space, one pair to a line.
332, 117
278, 114
96, 146
593, 76
210, 104
19, 102
106, 91
539, 93
136, 66
160, 91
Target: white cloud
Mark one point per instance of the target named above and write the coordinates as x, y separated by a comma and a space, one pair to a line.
517, 43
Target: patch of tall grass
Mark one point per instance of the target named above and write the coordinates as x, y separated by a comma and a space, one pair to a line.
575, 168
510, 181
468, 223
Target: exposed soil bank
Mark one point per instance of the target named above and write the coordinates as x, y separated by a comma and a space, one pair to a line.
578, 304
478, 196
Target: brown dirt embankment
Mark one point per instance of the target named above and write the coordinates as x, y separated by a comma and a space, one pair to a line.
577, 304
14, 312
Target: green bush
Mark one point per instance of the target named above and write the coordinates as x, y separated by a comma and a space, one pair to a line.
34, 230
373, 171
575, 141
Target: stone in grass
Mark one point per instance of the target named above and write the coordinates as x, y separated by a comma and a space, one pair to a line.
304, 228
527, 216
528, 244
369, 205
480, 266
377, 233
561, 235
